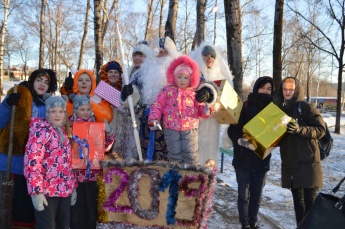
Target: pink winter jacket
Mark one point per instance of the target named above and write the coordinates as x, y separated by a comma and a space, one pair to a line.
47, 162
179, 108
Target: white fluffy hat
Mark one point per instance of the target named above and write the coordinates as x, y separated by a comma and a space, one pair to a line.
142, 47
168, 44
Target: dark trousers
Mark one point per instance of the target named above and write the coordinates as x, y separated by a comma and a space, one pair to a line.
55, 215
22, 207
84, 212
303, 199
250, 186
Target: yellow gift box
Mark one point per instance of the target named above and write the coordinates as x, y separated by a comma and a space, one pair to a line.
266, 129
230, 105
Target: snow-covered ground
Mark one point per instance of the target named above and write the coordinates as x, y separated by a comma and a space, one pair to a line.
277, 202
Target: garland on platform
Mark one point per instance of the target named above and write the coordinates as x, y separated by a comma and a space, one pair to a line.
171, 178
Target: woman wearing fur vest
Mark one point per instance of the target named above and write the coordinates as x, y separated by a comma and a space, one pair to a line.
29, 104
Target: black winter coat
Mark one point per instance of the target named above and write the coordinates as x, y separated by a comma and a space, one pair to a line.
300, 155
244, 157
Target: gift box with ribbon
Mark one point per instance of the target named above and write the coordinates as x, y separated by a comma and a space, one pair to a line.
108, 93
230, 105
265, 130
88, 142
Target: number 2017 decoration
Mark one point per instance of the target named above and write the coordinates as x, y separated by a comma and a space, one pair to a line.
168, 190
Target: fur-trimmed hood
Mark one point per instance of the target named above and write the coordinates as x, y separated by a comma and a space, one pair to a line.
104, 76
76, 78
184, 60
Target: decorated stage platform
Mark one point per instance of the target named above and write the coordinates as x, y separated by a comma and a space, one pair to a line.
136, 194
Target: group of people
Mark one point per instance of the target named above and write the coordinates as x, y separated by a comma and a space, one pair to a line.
301, 169
172, 93
174, 98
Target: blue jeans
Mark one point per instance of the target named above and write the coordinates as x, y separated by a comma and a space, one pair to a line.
250, 185
303, 199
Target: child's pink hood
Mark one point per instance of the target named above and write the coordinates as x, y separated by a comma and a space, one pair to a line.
185, 60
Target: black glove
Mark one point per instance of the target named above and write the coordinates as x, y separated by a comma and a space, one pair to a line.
13, 99
69, 82
293, 128
202, 95
126, 91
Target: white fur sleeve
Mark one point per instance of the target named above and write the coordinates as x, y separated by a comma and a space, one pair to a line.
213, 89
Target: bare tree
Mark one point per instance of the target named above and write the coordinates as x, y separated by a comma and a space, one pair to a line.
277, 42
98, 36
336, 12
23, 47
149, 18
106, 16
83, 40
42, 34
170, 25
2, 42
161, 15
200, 21
234, 42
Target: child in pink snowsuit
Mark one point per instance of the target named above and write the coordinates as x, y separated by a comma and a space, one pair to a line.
180, 111
84, 212
47, 166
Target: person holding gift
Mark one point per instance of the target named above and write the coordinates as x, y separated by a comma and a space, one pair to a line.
180, 111
47, 166
29, 103
144, 87
250, 169
301, 166
84, 83
84, 212
213, 70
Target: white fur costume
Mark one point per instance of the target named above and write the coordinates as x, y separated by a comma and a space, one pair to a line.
209, 129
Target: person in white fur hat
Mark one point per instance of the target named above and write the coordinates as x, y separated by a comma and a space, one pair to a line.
125, 147
147, 83
213, 70
139, 54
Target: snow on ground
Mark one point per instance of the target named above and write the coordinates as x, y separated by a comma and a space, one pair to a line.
277, 205
277, 202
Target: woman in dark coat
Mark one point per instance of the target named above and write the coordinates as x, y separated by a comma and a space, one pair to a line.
299, 151
250, 169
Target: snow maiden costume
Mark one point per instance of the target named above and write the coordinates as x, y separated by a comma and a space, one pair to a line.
208, 149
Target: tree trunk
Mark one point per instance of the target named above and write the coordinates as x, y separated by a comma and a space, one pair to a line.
98, 38
42, 34
200, 21
83, 41
149, 19
161, 15
234, 42
2, 43
277, 42
339, 91
107, 18
170, 26
215, 26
